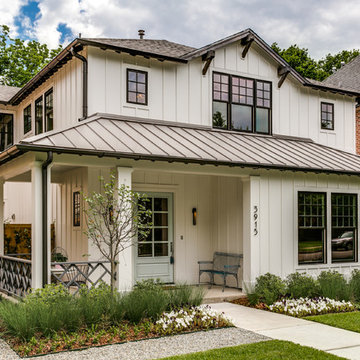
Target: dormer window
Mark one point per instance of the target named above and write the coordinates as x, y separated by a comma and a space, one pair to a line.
327, 116
137, 87
241, 104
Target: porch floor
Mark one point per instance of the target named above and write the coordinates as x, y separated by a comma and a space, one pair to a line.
215, 294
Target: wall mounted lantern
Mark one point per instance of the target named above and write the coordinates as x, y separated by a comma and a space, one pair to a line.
194, 215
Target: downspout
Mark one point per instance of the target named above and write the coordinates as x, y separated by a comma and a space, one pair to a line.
85, 81
45, 259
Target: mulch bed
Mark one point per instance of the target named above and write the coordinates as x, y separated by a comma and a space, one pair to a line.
245, 302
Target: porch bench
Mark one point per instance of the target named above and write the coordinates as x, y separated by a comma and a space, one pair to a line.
223, 264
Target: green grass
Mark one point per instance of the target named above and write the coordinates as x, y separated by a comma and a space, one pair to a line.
266, 350
348, 321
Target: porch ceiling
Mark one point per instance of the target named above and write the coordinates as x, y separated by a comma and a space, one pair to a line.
126, 137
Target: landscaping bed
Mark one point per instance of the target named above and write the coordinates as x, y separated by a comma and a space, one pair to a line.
51, 320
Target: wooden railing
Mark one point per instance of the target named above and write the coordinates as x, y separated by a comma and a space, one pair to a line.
75, 274
15, 275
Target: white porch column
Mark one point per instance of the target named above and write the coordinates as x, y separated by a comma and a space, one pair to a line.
125, 270
36, 225
49, 220
251, 231
1, 217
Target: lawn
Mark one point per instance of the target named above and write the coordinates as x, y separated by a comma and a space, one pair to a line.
348, 321
266, 350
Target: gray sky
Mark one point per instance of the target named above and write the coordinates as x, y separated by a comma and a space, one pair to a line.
322, 26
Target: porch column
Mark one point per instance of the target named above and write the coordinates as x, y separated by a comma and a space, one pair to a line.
49, 221
125, 270
36, 225
251, 231
2, 217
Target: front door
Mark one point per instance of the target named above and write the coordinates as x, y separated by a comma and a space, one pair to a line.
154, 256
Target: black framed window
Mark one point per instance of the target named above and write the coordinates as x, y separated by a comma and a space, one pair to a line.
343, 227
241, 103
137, 87
49, 110
6, 131
27, 119
327, 116
76, 208
39, 104
311, 227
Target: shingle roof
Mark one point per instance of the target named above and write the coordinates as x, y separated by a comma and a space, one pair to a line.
348, 76
158, 47
150, 140
7, 92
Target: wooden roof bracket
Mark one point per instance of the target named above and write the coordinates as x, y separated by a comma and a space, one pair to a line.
283, 72
208, 57
246, 42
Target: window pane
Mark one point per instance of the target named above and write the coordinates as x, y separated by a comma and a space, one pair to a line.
145, 250
160, 204
161, 234
327, 116
241, 117
141, 77
49, 111
132, 96
132, 76
311, 246
219, 114
27, 119
161, 249
39, 116
132, 86
6, 131
262, 120
160, 219
136, 87
141, 88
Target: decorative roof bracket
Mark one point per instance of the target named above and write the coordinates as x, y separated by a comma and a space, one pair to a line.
283, 72
208, 57
246, 42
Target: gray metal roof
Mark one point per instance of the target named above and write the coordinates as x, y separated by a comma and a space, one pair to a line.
348, 76
150, 140
7, 92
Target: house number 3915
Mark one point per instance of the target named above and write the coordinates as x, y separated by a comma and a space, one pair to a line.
256, 216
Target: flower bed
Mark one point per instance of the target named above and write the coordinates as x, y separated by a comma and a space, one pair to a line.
170, 323
306, 306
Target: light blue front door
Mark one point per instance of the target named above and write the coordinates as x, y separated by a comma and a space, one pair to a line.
154, 255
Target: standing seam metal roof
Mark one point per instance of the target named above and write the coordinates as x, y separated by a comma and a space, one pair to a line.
128, 137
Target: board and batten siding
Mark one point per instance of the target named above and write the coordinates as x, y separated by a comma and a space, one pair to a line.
180, 93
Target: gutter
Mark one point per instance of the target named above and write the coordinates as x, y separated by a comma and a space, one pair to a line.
85, 81
45, 260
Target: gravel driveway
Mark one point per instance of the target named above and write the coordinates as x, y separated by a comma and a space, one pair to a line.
153, 348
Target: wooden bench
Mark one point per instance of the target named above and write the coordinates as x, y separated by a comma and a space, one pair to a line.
223, 264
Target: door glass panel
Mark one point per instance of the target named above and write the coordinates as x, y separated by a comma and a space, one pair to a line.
160, 219
161, 234
145, 250
161, 249
160, 204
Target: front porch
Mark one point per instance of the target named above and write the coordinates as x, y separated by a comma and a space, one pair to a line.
177, 243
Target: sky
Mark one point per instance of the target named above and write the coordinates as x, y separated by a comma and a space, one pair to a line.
322, 26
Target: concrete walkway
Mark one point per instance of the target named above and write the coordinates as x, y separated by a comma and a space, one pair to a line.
323, 337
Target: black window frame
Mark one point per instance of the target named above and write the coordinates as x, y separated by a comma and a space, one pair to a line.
254, 106
38, 119
136, 82
327, 112
355, 228
27, 119
48, 93
76, 209
6, 131
324, 228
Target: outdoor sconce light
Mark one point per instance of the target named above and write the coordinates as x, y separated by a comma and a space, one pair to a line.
194, 216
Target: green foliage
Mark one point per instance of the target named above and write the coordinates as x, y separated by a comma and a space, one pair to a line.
304, 64
334, 286
301, 285
269, 288
49, 294
355, 284
21, 60
185, 295
148, 284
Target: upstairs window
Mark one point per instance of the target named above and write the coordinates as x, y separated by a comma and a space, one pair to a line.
27, 119
49, 110
327, 116
241, 104
6, 131
137, 87
39, 116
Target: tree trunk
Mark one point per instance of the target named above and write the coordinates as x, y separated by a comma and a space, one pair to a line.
112, 274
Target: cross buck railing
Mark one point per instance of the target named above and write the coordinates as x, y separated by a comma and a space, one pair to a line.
76, 274
15, 276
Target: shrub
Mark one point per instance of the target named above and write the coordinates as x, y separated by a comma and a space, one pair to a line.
185, 295
334, 286
301, 285
269, 288
49, 294
148, 284
355, 284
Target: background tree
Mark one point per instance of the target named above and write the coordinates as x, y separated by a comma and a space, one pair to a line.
116, 217
21, 60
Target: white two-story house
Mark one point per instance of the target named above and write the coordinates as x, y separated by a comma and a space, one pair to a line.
238, 152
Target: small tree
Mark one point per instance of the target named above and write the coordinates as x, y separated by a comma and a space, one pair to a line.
115, 217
